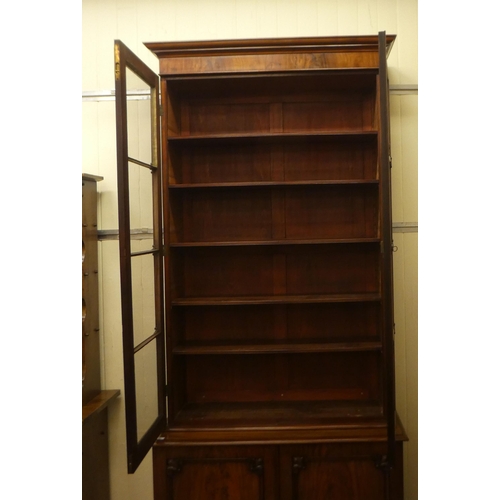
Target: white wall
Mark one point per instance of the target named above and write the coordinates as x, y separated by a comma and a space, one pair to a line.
137, 21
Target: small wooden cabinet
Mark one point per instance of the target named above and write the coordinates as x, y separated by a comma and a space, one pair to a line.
95, 463
267, 187
91, 362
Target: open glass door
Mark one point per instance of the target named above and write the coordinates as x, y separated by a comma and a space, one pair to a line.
140, 235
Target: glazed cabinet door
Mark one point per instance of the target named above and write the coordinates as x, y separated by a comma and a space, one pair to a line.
340, 472
386, 248
215, 473
141, 249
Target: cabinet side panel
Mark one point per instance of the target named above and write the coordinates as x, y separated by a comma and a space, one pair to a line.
90, 300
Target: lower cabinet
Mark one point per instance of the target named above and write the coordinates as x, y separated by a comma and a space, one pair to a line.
345, 471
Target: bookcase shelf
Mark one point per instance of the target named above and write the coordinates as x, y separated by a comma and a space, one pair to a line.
276, 299
274, 159
201, 244
272, 138
296, 415
230, 185
276, 348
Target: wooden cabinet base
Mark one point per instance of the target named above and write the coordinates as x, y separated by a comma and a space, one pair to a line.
340, 471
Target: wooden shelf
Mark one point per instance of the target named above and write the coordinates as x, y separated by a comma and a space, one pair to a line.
99, 403
272, 137
201, 244
276, 299
369, 429
205, 185
277, 348
270, 83
297, 414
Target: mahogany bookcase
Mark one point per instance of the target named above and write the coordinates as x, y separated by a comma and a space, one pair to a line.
270, 255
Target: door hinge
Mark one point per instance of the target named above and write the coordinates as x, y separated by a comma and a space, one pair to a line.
390, 161
117, 62
161, 109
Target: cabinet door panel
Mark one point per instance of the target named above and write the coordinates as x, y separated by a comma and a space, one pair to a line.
215, 473
340, 480
216, 479
336, 472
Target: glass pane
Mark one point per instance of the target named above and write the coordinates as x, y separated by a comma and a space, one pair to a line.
143, 292
146, 388
139, 118
140, 199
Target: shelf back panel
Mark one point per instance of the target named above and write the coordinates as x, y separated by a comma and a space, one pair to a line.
239, 214
293, 377
265, 271
270, 323
305, 158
